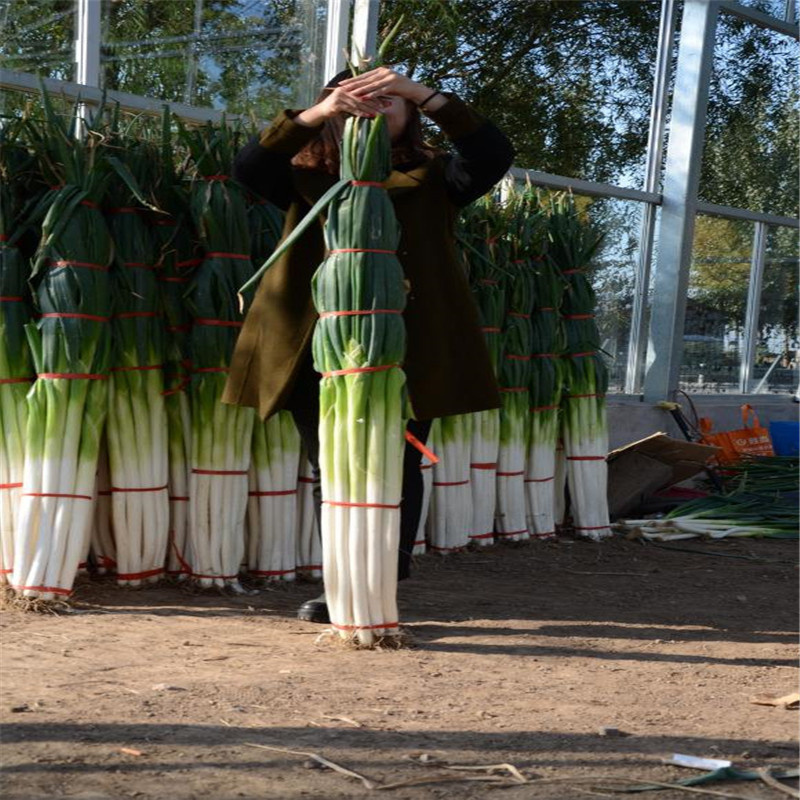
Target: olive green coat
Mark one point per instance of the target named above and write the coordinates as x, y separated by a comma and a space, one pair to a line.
447, 363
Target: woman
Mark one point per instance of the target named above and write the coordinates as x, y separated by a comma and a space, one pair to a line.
293, 163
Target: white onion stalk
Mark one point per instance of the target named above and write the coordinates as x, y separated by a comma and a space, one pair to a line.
103, 548
272, 499
426, 472
450, 514
309, 543
560, 485
484, 452
540, 473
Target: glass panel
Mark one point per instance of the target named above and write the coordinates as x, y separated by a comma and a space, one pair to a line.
242, 56
569, 82
37, 36
775, 367
751, 140
775, 8
613, 279
713, 337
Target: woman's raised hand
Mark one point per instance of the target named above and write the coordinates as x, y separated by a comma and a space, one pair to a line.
340, 101
385, 81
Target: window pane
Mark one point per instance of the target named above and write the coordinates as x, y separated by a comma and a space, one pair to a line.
242, 56
37, 36
775, 367
775, 8
717, 300
751, 140
569, 82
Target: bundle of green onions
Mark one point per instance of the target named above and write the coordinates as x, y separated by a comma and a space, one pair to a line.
16, 369
584, 422
272, 501
70, 345
309, 544
221, 434
515, 371
137, 417
450, 508
761, 500
482, 225
545, 393
174, 238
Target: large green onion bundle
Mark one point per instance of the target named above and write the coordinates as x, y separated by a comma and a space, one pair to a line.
221, 434
175, 240
137, 418
272, 500
16, 369
510, 521
70, 346
309, 544
482, 224
450, 510
359, 345
584, 422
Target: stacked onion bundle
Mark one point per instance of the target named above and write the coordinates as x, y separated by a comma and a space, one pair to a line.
584, 422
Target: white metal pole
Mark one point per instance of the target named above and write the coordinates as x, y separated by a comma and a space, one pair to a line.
753, 307
365, 29
336, 37
87, 48
679, 205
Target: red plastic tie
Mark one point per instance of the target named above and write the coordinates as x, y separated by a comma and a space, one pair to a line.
4, 237
89, 204
219, 471
510, 474
72, 376
55, 494
490, 330
578, 316
416, 443
220, 323
143, 489
357, 370
539, 480
377, 184
303, 479
53, 589
586, 458
450, 483
179, 328
170, 279
545, 355
272, 494
520, 260
191, 262
303, 567
216, 177
483, 465
86, 264
185, 567
239, 256
489, 535
512, 357
10, 299
215, 577
493, 240
571, 271
165, 222
544, 535
124, 210
10, 485
580, 355
512, 533
446, 549
343, 504
135, 576
324, 314
16, 380
177, 498
591, 528
270, 572
210, 369
365, 627
518, 314
361, 250
573, 396
137, 369
547, 308
544, 408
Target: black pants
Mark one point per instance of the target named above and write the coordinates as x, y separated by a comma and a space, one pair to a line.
304, 405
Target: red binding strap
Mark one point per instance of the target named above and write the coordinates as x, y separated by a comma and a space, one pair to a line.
137, 369
575, 271
239, 256
483, 465
303, 479
89, 204
10, 485
214, 577
4, 237
177, 498
544, 408
16, 380
376, 184
450, 483
342, 504
545, 355
265, 573
219, 471
547, 308
357, 370
216, 177
513, 533
53, 589
142, 489
445, 549
191, 262
573, 396
586, 458
490, 330
539, 480
416, 443
510, 474
10, 299
210, 369
55, 494
124, 210
489, 535
59, 315
578, 316
170, 279
324, 314
71, 263
591, 528
518, 314
135, 576
273, 494
365, 627
580, 355
136, 314
512, 357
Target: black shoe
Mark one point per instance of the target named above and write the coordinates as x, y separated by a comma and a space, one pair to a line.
314, 611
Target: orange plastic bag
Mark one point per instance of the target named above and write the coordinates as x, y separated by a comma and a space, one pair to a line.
750, 440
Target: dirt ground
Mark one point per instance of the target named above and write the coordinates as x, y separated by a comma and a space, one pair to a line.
523, 653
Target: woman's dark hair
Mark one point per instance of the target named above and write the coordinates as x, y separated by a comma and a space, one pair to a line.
322, 153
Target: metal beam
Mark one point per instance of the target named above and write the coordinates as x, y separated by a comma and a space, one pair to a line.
729, 212
760, 18
87, 42
25, 82
365, 29
338, 27
590, 188
748, 354
679, 197
655, 142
